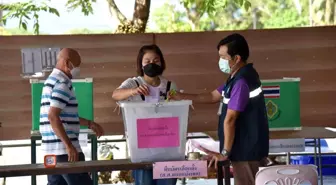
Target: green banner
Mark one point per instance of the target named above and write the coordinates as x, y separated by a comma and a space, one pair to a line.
282, 99
84, 93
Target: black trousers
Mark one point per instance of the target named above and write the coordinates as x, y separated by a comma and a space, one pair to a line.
70, 179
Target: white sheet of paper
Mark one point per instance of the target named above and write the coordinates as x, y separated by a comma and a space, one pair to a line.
154, 95
208, 144
83, 139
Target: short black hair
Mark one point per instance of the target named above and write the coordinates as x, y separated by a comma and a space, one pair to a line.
154, 48
237, 45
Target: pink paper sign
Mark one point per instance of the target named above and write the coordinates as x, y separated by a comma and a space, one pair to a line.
179, 169
158, 132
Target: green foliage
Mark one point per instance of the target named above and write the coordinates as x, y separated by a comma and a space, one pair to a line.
14, 31
18, 31
211, 6
86, 31
85, 5
25, 11
285, 15
168, 19
3, 31
199, 15
234, 16
128, 27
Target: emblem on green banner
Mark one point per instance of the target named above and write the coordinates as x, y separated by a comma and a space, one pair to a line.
272, 110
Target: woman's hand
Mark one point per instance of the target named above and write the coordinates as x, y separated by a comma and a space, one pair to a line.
174, 95
142, 89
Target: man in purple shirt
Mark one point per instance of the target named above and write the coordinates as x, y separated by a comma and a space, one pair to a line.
243, 124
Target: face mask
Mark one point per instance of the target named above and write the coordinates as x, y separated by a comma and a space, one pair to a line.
224, 66
152, 70
75, 71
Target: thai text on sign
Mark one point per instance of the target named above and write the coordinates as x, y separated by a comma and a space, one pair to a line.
179, 169
158, 132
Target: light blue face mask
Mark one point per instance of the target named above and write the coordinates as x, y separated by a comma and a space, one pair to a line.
224, 66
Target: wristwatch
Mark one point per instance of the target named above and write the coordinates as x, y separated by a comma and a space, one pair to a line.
225, 153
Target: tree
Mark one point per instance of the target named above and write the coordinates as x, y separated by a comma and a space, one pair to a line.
262, 14
283, 14
140, 17
25, 11
198, 9
169, 19
138, 23
29, 10
198, 15
322, 12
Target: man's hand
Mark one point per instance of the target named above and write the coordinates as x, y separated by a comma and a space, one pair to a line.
215, 157
72, 153
96, 128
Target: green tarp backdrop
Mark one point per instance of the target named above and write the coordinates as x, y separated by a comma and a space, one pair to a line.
282, 99
84, 98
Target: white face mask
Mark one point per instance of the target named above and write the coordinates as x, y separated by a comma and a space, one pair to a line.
224, 66
75, 71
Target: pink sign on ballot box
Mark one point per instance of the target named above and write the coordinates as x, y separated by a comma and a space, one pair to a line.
179, 169
158, 132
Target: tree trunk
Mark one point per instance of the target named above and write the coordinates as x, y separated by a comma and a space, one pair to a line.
141, 14
140, 17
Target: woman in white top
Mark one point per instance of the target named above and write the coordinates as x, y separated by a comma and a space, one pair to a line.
150, 67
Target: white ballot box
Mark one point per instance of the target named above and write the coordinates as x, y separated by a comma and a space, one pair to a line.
156, 131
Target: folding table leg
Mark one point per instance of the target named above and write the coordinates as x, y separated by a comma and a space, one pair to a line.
33, 157
220, 176
227, 176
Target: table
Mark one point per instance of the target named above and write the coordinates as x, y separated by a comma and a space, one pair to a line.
305, 132
76, 167
315, 133
86, 166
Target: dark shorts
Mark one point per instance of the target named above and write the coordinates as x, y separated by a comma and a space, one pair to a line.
70, 179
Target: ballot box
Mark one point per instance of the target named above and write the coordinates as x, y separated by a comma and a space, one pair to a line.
282, 100
156, 131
